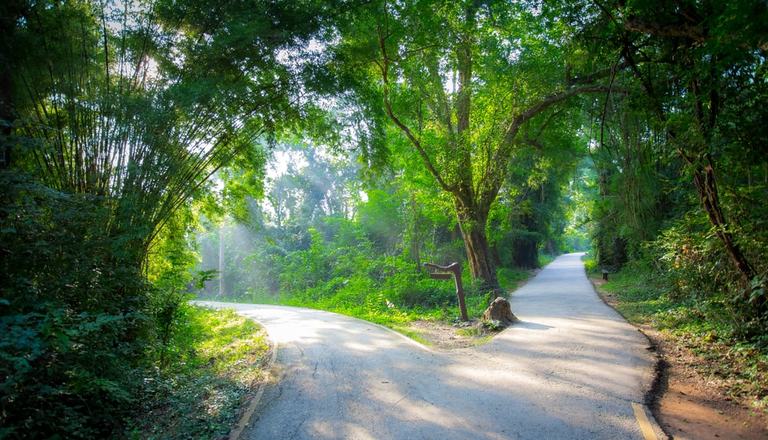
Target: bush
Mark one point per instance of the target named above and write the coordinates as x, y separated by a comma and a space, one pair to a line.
218, 357
73, 325
699, 271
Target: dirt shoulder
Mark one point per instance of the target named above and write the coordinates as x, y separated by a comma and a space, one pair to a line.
689, 404
447, 336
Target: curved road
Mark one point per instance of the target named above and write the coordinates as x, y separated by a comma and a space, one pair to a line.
571, 369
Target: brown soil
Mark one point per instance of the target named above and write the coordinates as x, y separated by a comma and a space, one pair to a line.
446, 336
688, 404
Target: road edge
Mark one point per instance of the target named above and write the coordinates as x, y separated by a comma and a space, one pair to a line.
654, 385
253, 398
246, 416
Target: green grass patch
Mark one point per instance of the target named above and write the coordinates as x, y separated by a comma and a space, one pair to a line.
510, 279
640, 295
416, 336
215, 358
395, 302
545, 259
480, 336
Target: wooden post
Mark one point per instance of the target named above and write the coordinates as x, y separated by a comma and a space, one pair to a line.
451, 270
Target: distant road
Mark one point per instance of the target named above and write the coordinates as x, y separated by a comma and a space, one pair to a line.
571, 369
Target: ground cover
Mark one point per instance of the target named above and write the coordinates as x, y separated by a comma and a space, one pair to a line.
710, 384
214, 363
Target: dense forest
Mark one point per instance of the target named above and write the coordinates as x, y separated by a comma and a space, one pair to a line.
318, 153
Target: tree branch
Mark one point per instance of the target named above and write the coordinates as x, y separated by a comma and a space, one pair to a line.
547, 102
384, 66
676, 30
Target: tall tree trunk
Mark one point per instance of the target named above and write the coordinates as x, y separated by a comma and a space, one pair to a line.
415, 233
706, 186
525, 247
472, 222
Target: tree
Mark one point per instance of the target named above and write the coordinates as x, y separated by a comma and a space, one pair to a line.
116, 114
529, 212
701, 69
460, 81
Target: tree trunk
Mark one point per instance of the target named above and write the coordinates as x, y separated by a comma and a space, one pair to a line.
415, 234
525, 253
472, 221
706, 186
525, 247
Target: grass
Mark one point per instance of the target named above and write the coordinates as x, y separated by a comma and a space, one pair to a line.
480, 335
409, 332
374, 306
218, 358
392, 315
510, 279
642, 297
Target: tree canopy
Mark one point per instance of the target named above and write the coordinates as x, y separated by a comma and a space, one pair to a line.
319, 152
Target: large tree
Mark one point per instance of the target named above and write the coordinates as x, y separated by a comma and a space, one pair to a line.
462, 81
700, 67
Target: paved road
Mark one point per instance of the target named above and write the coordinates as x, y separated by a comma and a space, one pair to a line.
569, 370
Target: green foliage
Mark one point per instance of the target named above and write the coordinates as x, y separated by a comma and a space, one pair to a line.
73, 319
697, 268
641, 292
445, 128
509, 278
217, 359
680, 167
113, 116
467, 88
350, 274
96, 334
647, 292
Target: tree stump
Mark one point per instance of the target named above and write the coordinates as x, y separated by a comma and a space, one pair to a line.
501, 311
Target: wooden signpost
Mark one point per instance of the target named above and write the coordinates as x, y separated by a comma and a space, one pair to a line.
445, 273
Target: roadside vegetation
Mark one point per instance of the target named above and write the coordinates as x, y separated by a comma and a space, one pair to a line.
645, 295
211, 365
397, 300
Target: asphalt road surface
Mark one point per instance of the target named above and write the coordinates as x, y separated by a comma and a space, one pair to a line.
571, 369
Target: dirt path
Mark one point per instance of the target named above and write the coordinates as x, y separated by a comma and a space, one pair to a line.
571, 369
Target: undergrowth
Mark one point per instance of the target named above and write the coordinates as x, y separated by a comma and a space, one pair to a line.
644, 297
393, 302
218, 357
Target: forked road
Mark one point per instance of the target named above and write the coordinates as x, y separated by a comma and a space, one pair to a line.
571, 369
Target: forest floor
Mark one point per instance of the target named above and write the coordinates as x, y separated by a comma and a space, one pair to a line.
688, 402
219, 361
447, 336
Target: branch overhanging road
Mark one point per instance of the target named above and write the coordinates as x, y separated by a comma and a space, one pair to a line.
571, 369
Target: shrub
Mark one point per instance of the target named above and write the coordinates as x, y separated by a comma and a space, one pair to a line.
72, 315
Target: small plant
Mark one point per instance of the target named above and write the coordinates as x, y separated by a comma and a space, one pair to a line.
492, 324
471, 332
